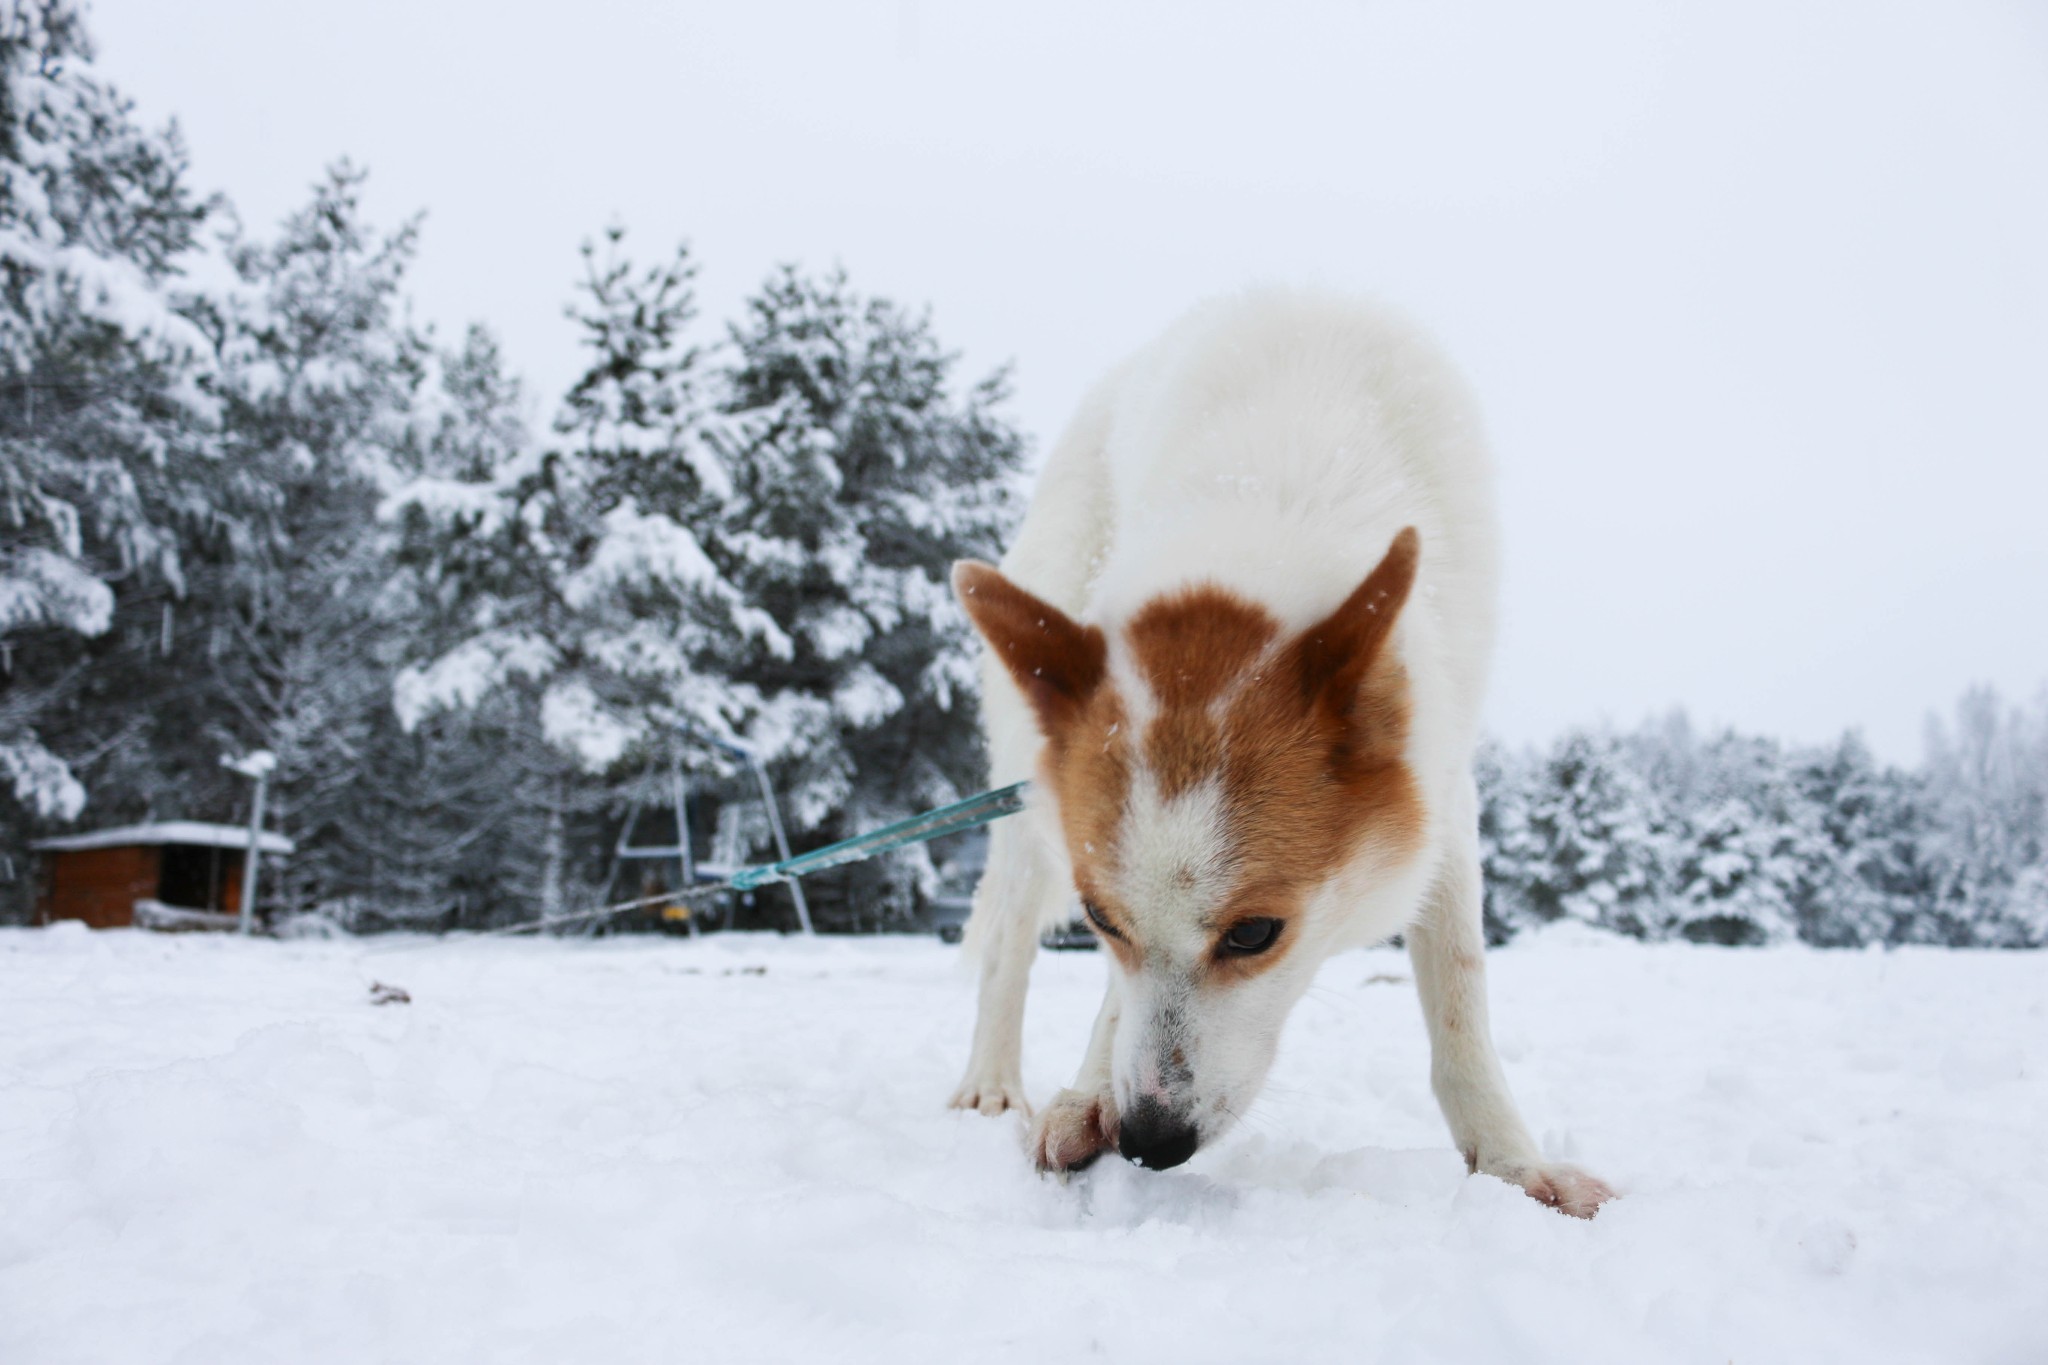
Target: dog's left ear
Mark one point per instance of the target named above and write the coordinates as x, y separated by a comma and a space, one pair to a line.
1333, 656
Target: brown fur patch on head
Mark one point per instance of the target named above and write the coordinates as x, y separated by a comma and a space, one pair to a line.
1305, 737
1191, 647
1307, 789
1324, 767
1089, 773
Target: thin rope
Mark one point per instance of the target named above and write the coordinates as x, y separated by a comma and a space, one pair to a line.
533, 926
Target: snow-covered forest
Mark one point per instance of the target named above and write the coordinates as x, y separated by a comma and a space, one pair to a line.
249, 501
252, 502
1662, 833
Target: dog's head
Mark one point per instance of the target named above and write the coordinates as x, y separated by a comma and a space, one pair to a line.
1222, 788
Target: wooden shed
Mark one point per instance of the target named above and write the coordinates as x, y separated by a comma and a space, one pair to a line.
181, 873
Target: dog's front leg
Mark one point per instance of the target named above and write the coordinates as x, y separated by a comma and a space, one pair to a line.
1448, 948
1081, 1122
1003, 931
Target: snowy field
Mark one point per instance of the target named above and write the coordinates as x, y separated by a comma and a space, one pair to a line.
737, 1150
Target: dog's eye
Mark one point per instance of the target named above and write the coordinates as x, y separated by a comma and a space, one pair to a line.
1096, 918
1250, 936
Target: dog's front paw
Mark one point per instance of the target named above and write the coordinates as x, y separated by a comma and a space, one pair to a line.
1074, 1129
1564, 1188
990, 1093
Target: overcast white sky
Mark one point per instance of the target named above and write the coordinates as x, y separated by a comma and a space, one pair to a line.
1755, 297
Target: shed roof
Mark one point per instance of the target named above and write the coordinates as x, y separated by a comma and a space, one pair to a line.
165, 832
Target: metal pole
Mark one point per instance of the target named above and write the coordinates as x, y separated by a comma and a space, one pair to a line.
255, 854
796, 890
685, 864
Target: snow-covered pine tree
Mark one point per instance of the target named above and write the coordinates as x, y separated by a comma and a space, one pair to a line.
446, 817
1987, 782
320, 368
1504, 779
105, 426
574, 588
1873, 821
773, 571
1751, 852
1596, 843
631, 491
857, 477
108, 428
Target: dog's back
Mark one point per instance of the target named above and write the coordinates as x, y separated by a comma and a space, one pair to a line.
1273, 442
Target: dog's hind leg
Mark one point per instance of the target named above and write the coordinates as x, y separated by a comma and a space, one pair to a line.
1448, 947
1081, 1122
1009, 905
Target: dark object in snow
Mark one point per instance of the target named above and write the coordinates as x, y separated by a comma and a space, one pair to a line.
960, 867
381, 994
1072, 937
1385, 979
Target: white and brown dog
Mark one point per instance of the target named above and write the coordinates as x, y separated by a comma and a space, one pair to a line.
1240, 643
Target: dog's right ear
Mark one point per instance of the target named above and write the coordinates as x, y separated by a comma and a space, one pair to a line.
1057, 662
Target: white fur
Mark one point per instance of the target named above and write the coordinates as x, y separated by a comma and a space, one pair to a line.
1273, 442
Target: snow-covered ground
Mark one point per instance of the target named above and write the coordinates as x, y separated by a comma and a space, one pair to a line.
737, 1150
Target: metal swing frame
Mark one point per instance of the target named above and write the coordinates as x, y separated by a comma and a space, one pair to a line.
626, 851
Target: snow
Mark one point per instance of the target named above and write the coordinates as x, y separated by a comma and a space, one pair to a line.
465, 674
116, 291
865, 698
154, 914
190, 832
256, 764
640, 548
574, 719
736, 1150
477, 503
40, 780
39, 587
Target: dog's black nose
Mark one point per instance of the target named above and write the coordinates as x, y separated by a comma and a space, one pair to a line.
1154, 1137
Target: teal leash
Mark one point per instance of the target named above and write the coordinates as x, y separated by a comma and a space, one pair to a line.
953, 819
961, 815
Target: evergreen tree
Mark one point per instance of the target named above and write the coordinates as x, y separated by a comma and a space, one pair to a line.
1595, 845
754, 552
857, 478
446, 821
1988, 786
572, 586
1506, 844
320, 367
106, 428
1750, 853
1874, 826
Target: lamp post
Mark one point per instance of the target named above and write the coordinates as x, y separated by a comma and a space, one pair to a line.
257, 767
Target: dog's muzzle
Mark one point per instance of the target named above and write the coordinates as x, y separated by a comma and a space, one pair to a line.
1155, 1137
